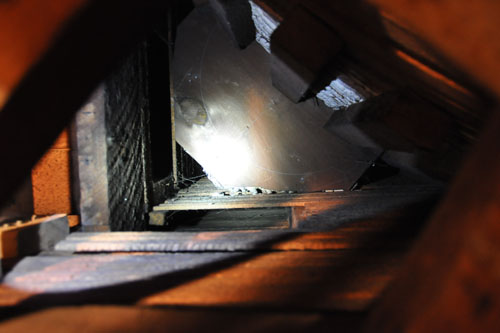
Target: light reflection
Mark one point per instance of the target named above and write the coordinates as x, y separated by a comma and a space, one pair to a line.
225, 159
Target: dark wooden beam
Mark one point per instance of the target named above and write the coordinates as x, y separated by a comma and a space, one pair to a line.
302, 46
451, 280
82, 47
236, 18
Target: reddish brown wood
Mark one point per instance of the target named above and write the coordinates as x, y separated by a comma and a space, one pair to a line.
462, 30
451, 281
28, 29
142, 319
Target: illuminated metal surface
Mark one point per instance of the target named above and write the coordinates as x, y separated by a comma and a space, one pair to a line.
243, 131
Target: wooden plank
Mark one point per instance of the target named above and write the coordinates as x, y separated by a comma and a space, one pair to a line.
236, 18
465, 25
451, 280
289, 200
232, 220
301, 48
220, 220
221, 241
327, 280
315, 280
395, 52
32, 237
92, 161
235, 204
385, 231
112, 318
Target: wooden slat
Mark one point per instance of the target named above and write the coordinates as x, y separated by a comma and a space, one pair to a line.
456, 34
316, 280
451, 279
232, 220
284, 200
112, 318
225, 241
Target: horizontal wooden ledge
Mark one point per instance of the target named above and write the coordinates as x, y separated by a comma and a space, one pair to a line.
275, 240
285, 200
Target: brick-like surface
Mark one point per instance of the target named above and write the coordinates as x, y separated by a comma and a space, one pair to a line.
51, 179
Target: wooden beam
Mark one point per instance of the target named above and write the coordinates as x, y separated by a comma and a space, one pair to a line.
288, 280
236, 18
28, 29
206, 202
461, 30
302, 46
82, 46
451, 280
146, 319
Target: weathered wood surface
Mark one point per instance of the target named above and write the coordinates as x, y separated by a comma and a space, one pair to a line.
353, 237
91, 170
320, 211
205, 196
236, 18
344, 269
463, 34
291, 280
232, 220
300, 56
451, 280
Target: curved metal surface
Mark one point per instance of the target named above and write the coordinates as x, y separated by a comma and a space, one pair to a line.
244, 132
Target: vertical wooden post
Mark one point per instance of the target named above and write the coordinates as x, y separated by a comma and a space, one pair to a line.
172, 98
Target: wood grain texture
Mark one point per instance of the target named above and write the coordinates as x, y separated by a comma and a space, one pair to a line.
291, 280
463, 35
450, 282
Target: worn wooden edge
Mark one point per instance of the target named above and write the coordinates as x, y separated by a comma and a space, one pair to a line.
10, 241
228, 241
73, 221
286, 200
